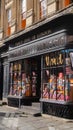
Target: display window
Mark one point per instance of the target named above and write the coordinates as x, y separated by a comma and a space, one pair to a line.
57, 76
23, 79
19, 81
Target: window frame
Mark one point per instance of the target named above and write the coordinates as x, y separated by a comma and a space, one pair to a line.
60, 69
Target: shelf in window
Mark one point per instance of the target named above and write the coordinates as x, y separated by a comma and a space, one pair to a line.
55, 101
15, 96
50, 67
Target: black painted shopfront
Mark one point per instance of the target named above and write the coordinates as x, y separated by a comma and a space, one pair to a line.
42, 70
45, 65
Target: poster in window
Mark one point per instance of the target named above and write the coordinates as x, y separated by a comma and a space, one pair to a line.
60, 86
46, 90
52, 83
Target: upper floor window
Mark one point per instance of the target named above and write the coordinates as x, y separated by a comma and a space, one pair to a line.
43, 8
23, 9
61, 4
23, 14
9, 16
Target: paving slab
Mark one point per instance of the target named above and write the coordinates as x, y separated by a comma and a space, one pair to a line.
18, 119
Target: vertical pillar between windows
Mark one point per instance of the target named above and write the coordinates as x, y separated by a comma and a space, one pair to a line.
5, 81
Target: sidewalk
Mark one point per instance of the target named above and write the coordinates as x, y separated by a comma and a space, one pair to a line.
23, 119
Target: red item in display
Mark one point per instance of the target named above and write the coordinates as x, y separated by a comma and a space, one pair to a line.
60, 75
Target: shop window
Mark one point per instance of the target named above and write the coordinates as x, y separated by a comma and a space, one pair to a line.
43, 8
19, 83
23, 79
23, 14
57, 76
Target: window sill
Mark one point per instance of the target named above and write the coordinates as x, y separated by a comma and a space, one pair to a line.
56, 101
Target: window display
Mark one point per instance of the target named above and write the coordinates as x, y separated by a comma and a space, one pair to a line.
23, 78
57, 78
52, 83
19, 84
60, 87
45, 91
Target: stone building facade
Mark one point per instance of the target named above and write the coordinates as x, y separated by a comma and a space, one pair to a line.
36, 40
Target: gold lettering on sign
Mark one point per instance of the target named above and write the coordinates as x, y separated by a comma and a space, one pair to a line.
60, 59
47, 60
53, 61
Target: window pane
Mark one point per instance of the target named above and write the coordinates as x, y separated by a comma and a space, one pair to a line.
43, 8
67, 88
60, 84
9, 15
45, 85
23, 6
53, 75
53, 83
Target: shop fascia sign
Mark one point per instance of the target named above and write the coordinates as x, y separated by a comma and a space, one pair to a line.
38, 46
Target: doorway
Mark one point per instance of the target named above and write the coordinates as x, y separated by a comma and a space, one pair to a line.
36, 76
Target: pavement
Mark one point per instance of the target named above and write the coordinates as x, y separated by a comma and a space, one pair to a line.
28, 118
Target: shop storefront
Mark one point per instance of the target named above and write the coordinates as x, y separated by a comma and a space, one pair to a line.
42, 70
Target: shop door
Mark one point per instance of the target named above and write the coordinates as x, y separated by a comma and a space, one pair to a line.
36, 76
